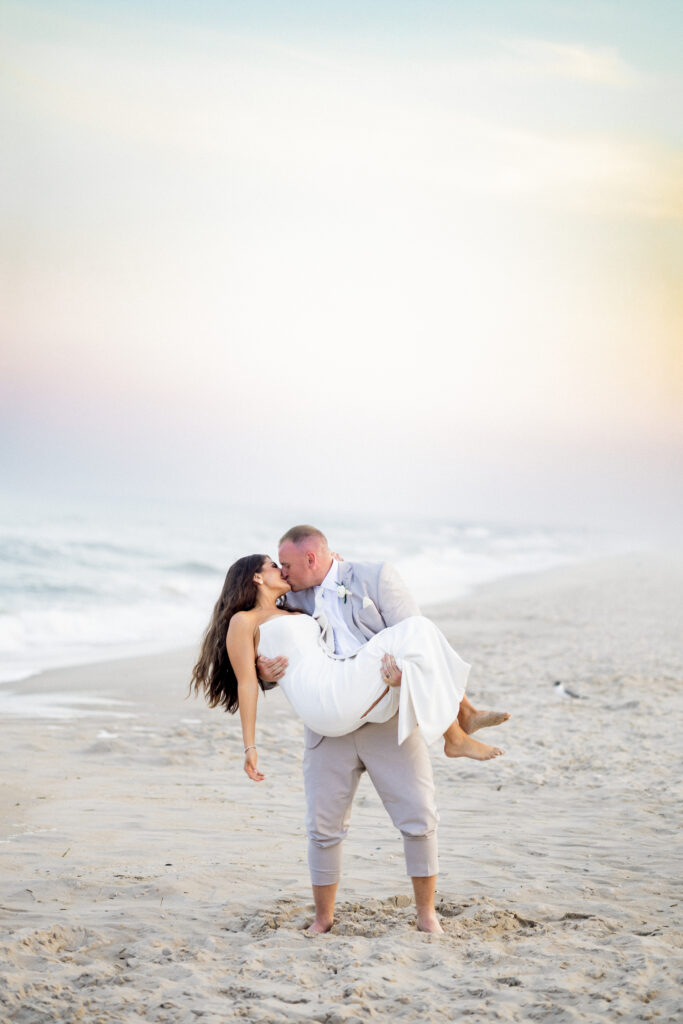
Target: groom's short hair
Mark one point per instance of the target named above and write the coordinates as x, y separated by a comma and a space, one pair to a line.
297, 534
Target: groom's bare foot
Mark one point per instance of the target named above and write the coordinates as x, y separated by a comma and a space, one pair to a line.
464, 746
429, 922
470, 719
324, 899
319, 927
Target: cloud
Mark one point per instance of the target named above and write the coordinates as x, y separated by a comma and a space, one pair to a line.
334, 125
603, 66
601, 174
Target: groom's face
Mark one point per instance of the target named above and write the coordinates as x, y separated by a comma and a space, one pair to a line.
300, 565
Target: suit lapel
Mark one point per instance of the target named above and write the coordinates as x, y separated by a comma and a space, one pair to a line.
354, 604
345, 576
345, 573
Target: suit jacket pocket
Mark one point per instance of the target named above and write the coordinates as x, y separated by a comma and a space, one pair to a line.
370, 618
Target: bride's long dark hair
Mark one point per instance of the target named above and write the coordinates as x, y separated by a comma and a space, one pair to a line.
213, 674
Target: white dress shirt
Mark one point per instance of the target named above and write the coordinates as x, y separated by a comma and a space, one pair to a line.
345, 642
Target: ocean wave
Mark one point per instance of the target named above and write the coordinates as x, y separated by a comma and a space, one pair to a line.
77, 588
15, 552
45, 589
60, 636
194, 568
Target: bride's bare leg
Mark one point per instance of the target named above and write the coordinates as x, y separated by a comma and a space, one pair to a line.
459, 744
457, 736
470, 718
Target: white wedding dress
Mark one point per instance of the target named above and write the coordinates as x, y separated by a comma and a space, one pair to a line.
332, 694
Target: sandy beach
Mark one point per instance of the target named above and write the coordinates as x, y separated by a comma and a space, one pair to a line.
144, 878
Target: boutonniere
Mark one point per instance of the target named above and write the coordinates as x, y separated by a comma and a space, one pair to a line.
343, 592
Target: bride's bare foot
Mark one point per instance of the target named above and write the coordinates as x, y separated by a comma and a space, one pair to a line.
464, 746
470, 719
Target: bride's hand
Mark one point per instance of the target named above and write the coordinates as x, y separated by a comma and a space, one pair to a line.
250, 765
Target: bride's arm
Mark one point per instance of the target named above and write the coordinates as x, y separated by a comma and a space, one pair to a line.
242, 654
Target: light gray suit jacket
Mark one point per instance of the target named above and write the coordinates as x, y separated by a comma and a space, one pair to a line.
379, 598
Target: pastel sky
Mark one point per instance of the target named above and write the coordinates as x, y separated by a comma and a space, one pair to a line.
423, 256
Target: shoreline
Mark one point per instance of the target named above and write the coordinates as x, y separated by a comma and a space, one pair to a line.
145, 877
42, 680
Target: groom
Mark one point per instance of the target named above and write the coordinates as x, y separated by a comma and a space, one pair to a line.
357, 600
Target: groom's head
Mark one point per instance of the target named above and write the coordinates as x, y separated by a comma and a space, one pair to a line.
304, 556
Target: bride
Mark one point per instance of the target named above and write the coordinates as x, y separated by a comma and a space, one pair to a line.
408, 667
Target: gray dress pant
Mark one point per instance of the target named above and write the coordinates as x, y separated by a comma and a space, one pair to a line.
403, 779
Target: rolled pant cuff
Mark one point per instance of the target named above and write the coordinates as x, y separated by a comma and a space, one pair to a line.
422, 856
324, 863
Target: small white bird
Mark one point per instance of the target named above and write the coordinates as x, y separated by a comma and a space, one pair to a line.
564, 692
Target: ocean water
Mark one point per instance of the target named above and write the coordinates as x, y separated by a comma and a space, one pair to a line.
91, 583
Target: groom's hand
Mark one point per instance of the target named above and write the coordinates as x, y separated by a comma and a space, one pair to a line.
391, 673
271, 670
